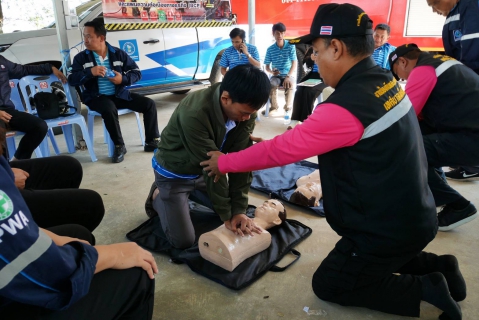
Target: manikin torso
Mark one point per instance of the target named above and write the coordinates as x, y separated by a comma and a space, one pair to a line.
227, 250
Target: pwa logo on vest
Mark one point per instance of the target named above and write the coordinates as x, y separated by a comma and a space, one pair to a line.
10, 224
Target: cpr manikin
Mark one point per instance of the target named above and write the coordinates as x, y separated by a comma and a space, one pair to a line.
308, 191
227, 250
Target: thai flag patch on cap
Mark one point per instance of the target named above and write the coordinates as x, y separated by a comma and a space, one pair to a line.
326, 30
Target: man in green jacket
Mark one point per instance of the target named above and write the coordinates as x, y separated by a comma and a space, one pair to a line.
221, 118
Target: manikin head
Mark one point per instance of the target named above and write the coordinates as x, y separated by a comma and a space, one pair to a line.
94, 35
442, 7
272, 212
403, 60
381, 34
342, 36
307, 195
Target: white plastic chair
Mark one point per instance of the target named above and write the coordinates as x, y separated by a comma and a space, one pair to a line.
43, 83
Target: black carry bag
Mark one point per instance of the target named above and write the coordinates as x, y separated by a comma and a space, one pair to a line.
51, 105
284, 238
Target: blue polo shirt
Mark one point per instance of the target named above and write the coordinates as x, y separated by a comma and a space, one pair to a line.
381, 55
105, 86
232, 57
281, 58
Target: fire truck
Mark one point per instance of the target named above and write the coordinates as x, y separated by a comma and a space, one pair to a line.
178, 44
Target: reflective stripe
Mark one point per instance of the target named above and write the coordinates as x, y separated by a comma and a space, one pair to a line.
455, 17
445, 65
470, 36
388, 119
118, 63
12, 269
88, 65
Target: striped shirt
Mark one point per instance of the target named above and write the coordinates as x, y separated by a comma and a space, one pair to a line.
230, 124
281, 58
105, 86
232, 57
381, 55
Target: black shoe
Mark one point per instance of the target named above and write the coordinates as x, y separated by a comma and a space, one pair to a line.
461, 175
151, 146
119, 154
150, 211
449, 218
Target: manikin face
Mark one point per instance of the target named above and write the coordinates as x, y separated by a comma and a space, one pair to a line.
380, 38
91, 40
442, 7
237, 41
269, 211
311, 190
233, 110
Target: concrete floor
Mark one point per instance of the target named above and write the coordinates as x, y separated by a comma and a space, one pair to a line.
182, 294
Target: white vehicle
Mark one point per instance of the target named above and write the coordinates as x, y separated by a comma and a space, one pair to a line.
173, 56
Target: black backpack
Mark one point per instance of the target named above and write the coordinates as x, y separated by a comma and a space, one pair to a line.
52, 105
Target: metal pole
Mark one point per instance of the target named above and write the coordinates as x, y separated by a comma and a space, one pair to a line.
63, 45
251, 21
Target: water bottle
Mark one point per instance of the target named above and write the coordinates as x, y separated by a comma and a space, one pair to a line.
287, 117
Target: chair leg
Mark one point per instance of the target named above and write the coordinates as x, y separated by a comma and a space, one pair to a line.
91, 123
68, 133
268, 105
38, 152
88, 139
11, 147
108, 141
140, 128
51, 135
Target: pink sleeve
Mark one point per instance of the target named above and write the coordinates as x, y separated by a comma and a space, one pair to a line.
329, 127
419, 86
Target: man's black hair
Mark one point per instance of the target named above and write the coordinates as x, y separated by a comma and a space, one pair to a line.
237, 32
99, 25
356, 46
247, 84
383, 26
279, 27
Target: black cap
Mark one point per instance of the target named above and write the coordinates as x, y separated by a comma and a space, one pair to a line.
399, 52
337, 21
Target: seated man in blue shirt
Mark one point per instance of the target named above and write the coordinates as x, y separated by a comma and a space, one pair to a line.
106, 93
239, 53
281, 62
382, 48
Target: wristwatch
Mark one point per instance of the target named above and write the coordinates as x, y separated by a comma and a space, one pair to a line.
249, 55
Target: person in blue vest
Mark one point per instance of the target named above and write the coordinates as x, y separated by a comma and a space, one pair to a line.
382, 48
281, 62
445, 95
239, 53
55, 273
105, 92
460, 37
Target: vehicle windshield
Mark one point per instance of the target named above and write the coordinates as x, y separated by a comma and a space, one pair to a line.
82, 10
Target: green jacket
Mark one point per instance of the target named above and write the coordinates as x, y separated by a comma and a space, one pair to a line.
196, 127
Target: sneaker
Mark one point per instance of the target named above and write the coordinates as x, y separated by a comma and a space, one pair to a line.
151, 146
462, 175
270, 111
449, 218
119, 154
